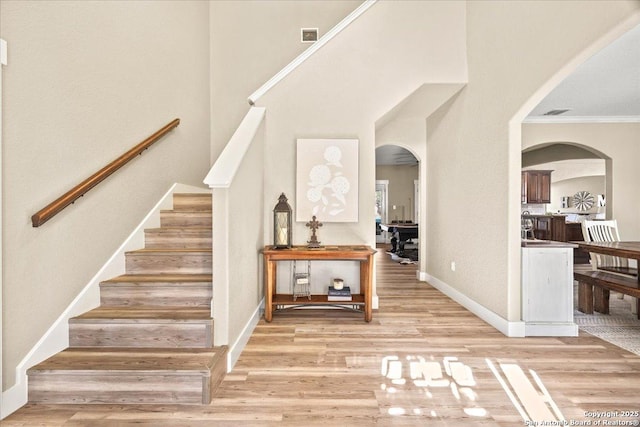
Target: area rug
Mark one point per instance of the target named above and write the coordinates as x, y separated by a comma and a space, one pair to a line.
620, 327
409, 256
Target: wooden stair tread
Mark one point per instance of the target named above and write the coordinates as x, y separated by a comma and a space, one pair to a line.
135, 314
168, 251
185, 211
176, 228
116, 360
165, 278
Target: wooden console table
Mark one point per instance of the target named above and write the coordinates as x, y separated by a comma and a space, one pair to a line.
361, 253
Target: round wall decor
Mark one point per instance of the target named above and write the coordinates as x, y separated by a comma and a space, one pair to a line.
583, 200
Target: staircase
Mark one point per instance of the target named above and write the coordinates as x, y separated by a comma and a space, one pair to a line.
151, 339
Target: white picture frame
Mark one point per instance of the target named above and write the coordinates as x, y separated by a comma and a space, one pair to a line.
327, 180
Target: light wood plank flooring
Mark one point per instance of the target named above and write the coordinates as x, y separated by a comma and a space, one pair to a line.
423, 360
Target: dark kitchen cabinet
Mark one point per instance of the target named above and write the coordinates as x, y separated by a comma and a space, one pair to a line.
536, 186
542, 229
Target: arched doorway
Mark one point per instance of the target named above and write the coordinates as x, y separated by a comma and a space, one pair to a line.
397, 190
575, 168
516, 125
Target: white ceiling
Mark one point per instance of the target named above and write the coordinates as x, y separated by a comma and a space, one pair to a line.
394, 155
606, 87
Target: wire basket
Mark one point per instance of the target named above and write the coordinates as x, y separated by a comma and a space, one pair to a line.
301, 282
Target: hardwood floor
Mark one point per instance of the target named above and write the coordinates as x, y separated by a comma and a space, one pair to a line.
423, 360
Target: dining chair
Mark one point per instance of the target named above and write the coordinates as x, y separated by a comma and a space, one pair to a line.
606, 231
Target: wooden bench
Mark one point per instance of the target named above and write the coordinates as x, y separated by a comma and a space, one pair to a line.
594, 288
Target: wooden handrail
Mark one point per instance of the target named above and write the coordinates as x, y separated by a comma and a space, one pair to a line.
53, 208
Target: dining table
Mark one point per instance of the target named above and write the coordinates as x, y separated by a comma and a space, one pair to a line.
622, 249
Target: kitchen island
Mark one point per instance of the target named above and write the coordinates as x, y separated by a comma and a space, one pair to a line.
555, 227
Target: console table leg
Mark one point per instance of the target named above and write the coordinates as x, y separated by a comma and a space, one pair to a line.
366, 274
270, 280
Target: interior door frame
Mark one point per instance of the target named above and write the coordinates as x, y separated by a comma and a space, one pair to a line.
383, 185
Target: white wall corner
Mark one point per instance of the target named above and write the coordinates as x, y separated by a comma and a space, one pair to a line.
510, 329
220, 268
3, 52
236, 349
421, 276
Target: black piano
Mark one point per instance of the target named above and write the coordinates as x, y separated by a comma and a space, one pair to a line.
406, 232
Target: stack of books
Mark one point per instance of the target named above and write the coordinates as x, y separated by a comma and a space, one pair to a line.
343, 294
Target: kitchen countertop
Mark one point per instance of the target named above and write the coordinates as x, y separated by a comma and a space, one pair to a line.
545, 244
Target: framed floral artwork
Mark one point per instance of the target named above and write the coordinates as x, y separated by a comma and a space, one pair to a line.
327, 180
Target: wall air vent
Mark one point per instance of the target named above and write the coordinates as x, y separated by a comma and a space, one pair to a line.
308, 35
556, 112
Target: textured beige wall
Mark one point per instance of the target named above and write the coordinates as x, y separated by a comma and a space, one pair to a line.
85, 82
251, 40
401, 189
246, 225
619, 142
513, 49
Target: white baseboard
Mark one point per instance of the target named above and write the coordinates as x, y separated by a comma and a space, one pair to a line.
510, 329
56, 338
551, 329
236, 349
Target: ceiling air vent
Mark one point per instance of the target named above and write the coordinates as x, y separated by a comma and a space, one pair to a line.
556, 112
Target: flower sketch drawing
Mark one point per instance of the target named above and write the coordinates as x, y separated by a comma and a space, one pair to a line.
327, 180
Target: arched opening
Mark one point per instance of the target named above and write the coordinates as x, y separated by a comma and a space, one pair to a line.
576, 168
517, 128
398, 199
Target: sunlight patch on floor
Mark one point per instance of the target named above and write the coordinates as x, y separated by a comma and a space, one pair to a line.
430, 378
533, 402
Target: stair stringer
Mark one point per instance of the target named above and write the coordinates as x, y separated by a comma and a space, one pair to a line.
56, 338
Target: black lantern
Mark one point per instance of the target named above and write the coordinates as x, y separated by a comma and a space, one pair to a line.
282, 223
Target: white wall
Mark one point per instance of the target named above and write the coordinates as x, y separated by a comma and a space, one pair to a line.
85, 82
251, 40
349, 84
